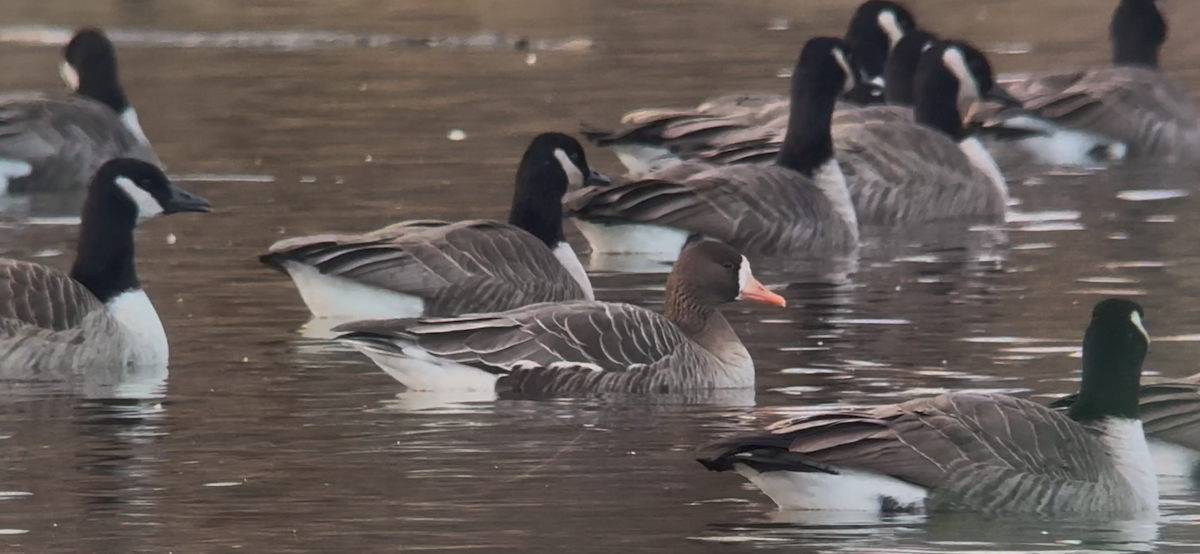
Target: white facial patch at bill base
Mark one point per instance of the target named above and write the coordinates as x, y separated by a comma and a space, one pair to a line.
968, 87
1136, 319
840, 56
744, 275
69, 76
891, 27
147, 206
574, 174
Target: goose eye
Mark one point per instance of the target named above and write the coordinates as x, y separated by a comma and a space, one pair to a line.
727, 265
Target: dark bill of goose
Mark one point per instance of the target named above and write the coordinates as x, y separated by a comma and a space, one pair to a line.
972, 452
582, 348
96, 318
437, 268
54, 141
797, 205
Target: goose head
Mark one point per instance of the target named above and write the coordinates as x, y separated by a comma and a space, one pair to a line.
710, 273
141, 188
1137, 32
89, 67
1114, 346
875, 28
901, 66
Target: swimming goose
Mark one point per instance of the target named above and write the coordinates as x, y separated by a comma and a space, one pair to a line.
1128, 111
927, 169
799, 204
436, 268
97, 317
971, 452
1170, 413
652, 138
57, 141
581, 348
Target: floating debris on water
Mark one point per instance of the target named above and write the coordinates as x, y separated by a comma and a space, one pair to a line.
456, 135
778, 24
171, 238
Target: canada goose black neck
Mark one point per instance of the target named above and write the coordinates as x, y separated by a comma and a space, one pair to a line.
104, 258
935, 93
540, 186
817, 81
1114, 347
94, 60
1137, 31
901, 67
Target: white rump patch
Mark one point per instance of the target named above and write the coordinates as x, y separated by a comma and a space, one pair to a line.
850, 490
633, 238
135, 312
983, 161
566, 256
848, 82
130, 119
641, 160
69, 76
574, 174
12, 169
1127, 442
418, 370
147, 206
328, 296
968, 86
1136, 319
891, 27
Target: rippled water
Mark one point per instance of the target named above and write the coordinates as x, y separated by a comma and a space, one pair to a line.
305, 117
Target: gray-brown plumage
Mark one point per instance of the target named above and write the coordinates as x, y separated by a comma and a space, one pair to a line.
435, 268
56, 141
1099, 114
985, 453
582, 348
799, 204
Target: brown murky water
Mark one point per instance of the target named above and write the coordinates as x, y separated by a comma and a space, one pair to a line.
262, 441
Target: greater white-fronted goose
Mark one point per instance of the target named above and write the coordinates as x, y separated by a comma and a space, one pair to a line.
56, 141
582, 348
798, 205
972, 452
655, 138
1128, 111
436, 268
97, 317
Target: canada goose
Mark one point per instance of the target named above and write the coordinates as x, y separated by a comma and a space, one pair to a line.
97, 316
1128, 111
799, 204
435, 268
1170, 413
56, 141
971, 452
580, 348
928, 169
653, 138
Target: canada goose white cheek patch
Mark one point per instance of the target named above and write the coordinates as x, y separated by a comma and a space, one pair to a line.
69, 76
848, 83
147, 206
574, 174
1136, 319
891, 27
968, 88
